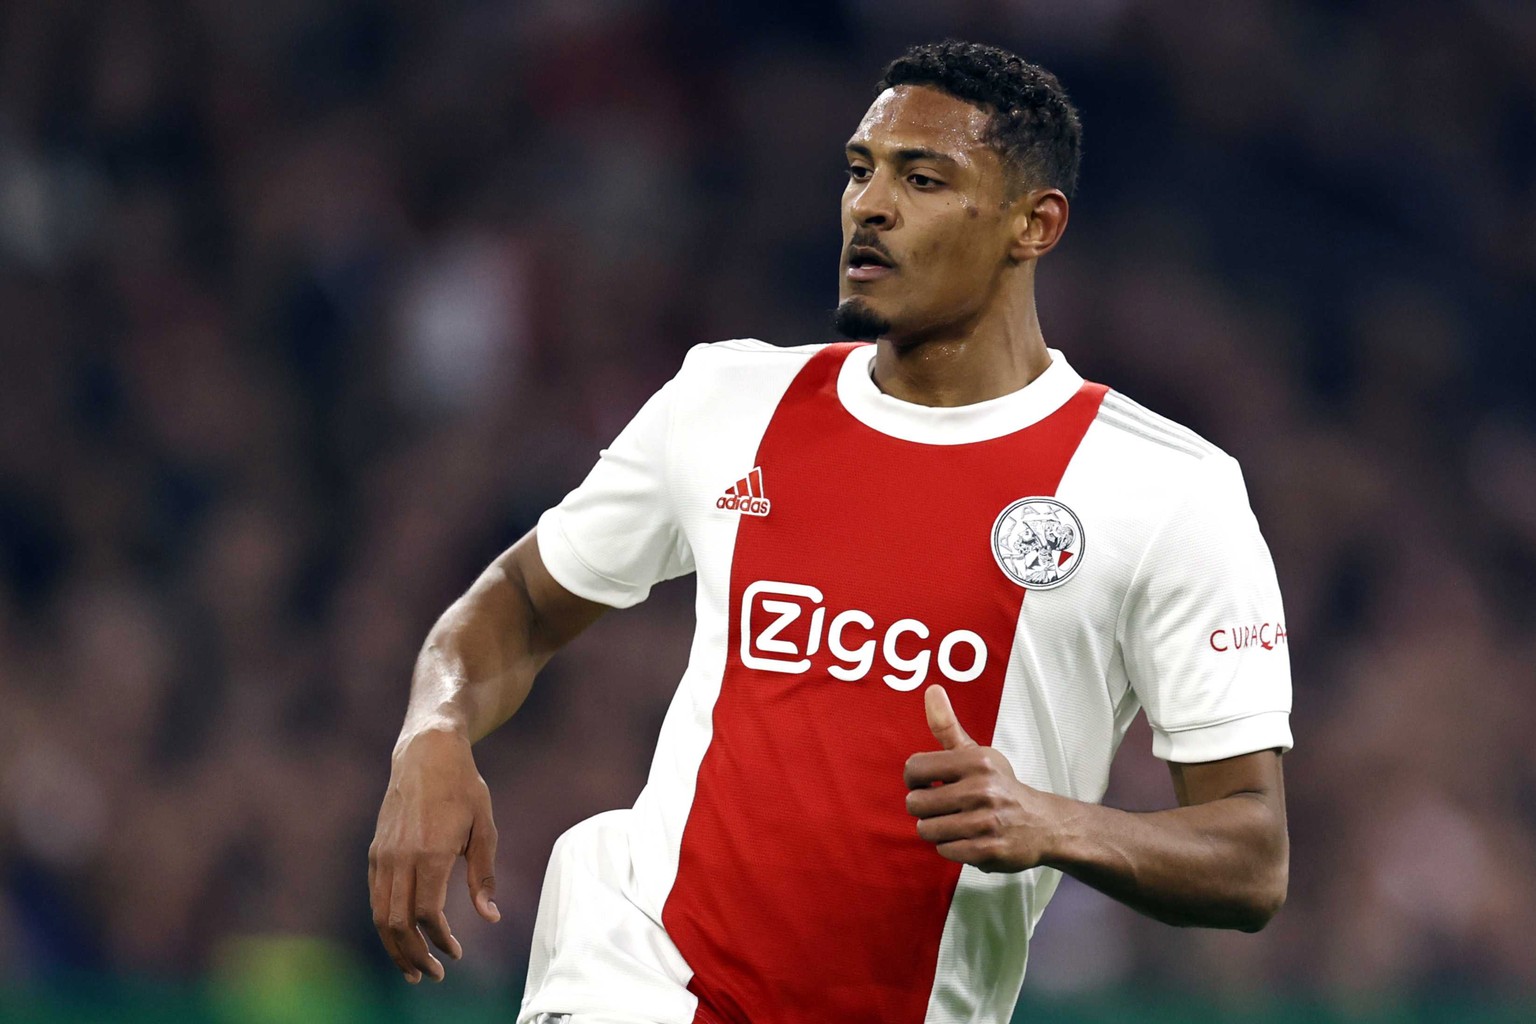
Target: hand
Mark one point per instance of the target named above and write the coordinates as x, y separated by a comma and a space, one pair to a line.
980, 813
437, 808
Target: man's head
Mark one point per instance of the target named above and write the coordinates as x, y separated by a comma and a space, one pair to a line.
958, 175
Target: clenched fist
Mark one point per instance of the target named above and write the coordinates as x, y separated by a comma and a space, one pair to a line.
979, 813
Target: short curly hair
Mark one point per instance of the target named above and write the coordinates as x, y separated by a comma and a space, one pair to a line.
1035, 127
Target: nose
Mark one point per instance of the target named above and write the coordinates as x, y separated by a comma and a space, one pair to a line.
872, 203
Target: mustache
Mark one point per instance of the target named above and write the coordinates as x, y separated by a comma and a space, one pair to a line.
869, 239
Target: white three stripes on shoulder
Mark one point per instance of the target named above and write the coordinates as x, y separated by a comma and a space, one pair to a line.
1121, 412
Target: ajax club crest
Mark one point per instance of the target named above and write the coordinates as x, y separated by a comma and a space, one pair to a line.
1038, 542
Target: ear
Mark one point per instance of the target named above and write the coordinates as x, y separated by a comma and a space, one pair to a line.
1039, 219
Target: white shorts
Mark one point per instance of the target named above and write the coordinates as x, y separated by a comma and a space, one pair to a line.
597, 958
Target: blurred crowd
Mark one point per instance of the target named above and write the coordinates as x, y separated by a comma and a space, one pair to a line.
309, 307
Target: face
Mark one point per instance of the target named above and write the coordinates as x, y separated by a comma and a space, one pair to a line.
927, 222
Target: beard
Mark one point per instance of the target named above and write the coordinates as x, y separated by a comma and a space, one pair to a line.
854, 319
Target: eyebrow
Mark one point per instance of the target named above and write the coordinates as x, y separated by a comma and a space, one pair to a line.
905, 156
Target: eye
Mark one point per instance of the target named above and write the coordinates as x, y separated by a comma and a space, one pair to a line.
923, 181
857, 172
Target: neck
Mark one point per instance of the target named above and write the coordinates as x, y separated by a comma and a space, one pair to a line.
993, 355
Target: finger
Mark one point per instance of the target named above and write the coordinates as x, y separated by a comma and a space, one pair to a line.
402, 925
938, 766
982, 851
431, 896
382, 879
935, 801
373, 884
951, 828
942, 721
480, 859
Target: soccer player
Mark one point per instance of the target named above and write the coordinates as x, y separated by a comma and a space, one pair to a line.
938, 576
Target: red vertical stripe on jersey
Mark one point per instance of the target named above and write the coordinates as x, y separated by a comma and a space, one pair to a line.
803, 892
756, 476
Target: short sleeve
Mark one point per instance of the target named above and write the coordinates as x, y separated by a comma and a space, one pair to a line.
1203, 631
615, 536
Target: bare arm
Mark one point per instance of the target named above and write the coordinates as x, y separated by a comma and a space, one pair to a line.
472, 674
1219, 860
479, 660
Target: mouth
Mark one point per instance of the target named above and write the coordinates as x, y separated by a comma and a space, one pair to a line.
866, 263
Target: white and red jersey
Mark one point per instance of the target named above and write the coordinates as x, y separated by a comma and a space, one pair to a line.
1059, 558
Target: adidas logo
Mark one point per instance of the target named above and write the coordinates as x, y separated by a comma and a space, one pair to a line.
746, 495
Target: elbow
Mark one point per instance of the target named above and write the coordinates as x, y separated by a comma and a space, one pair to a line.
1264, 899
1260, 911
1269, 880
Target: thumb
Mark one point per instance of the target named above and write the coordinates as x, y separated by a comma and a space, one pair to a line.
942, 721
480, 859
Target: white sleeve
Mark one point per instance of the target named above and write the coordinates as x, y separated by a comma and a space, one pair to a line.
615, 536
1203, 631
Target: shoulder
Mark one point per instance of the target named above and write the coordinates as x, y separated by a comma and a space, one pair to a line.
1139, 475
1151, 453
1152, 435
723, 371
746, 353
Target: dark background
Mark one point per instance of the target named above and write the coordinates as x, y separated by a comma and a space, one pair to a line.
307, 310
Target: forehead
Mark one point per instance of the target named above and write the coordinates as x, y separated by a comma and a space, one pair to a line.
915, 116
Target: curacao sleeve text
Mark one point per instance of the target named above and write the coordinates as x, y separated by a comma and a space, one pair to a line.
1203, 631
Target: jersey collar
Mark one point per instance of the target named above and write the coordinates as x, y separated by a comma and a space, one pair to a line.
964, 424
